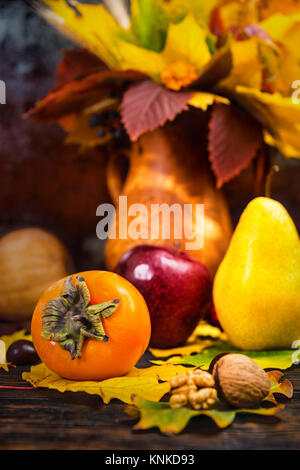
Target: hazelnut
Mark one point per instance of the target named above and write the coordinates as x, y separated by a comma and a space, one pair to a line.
240, 381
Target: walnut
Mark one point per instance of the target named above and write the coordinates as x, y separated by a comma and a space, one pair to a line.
240, 381
194, 388
203, 398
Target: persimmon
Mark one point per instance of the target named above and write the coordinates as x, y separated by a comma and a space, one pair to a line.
93, 325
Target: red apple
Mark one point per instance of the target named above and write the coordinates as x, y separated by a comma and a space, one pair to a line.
176, 288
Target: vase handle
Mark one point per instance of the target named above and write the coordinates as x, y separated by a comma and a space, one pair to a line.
116, 173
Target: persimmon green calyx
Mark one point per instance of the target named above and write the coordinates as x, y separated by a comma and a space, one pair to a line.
70, 318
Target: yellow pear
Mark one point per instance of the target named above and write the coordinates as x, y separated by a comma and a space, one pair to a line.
257, 286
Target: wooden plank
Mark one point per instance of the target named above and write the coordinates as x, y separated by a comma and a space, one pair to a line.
47, 419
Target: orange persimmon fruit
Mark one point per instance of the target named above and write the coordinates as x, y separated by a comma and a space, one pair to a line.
106, 315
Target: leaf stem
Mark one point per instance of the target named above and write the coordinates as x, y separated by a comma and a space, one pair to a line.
9, 387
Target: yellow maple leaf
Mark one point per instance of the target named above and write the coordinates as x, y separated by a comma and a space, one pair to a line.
268, 8
6, 341
93, 27
133, 57
204, 329
3, 364
150, 383
285, 30
245, 56
178, 9
279, 116
16, 336
202, 337
189, 348
202, 100
187, 41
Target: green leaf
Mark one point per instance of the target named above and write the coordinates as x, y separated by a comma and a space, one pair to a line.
172, 421
178, 9
279, 359
149, 23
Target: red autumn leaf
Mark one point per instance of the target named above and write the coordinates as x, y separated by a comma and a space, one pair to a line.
76, 63
216, 24
73, 96
234, 138
256, 30
147, 105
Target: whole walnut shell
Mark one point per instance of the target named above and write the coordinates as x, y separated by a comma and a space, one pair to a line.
240, 381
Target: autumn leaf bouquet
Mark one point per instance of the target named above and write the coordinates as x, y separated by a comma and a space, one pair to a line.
233, 59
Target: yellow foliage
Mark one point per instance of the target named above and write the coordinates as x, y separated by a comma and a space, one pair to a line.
245, 57
268, 60
202, 100
150, 383
16, 336
96, 29
278, 115
187, 41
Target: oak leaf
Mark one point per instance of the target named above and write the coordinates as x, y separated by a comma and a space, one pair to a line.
280, 385
280, 359
172, 421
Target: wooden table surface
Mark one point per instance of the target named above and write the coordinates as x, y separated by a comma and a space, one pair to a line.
47, 419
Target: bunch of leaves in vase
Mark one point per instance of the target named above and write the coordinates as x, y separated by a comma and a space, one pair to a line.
233, 59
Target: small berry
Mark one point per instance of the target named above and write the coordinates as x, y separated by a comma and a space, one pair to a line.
101, 133
118, 133
96, 120
112, 114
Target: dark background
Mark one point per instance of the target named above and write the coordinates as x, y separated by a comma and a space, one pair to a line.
42, 182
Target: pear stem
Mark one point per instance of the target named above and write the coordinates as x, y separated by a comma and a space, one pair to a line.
274, 169
262, 165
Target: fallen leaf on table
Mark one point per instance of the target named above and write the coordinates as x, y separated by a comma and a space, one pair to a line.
6, 341
189, 348
16, 336
279, 385
195, 343
173, 421
3, 364
204, 329
279, 359
150, 383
